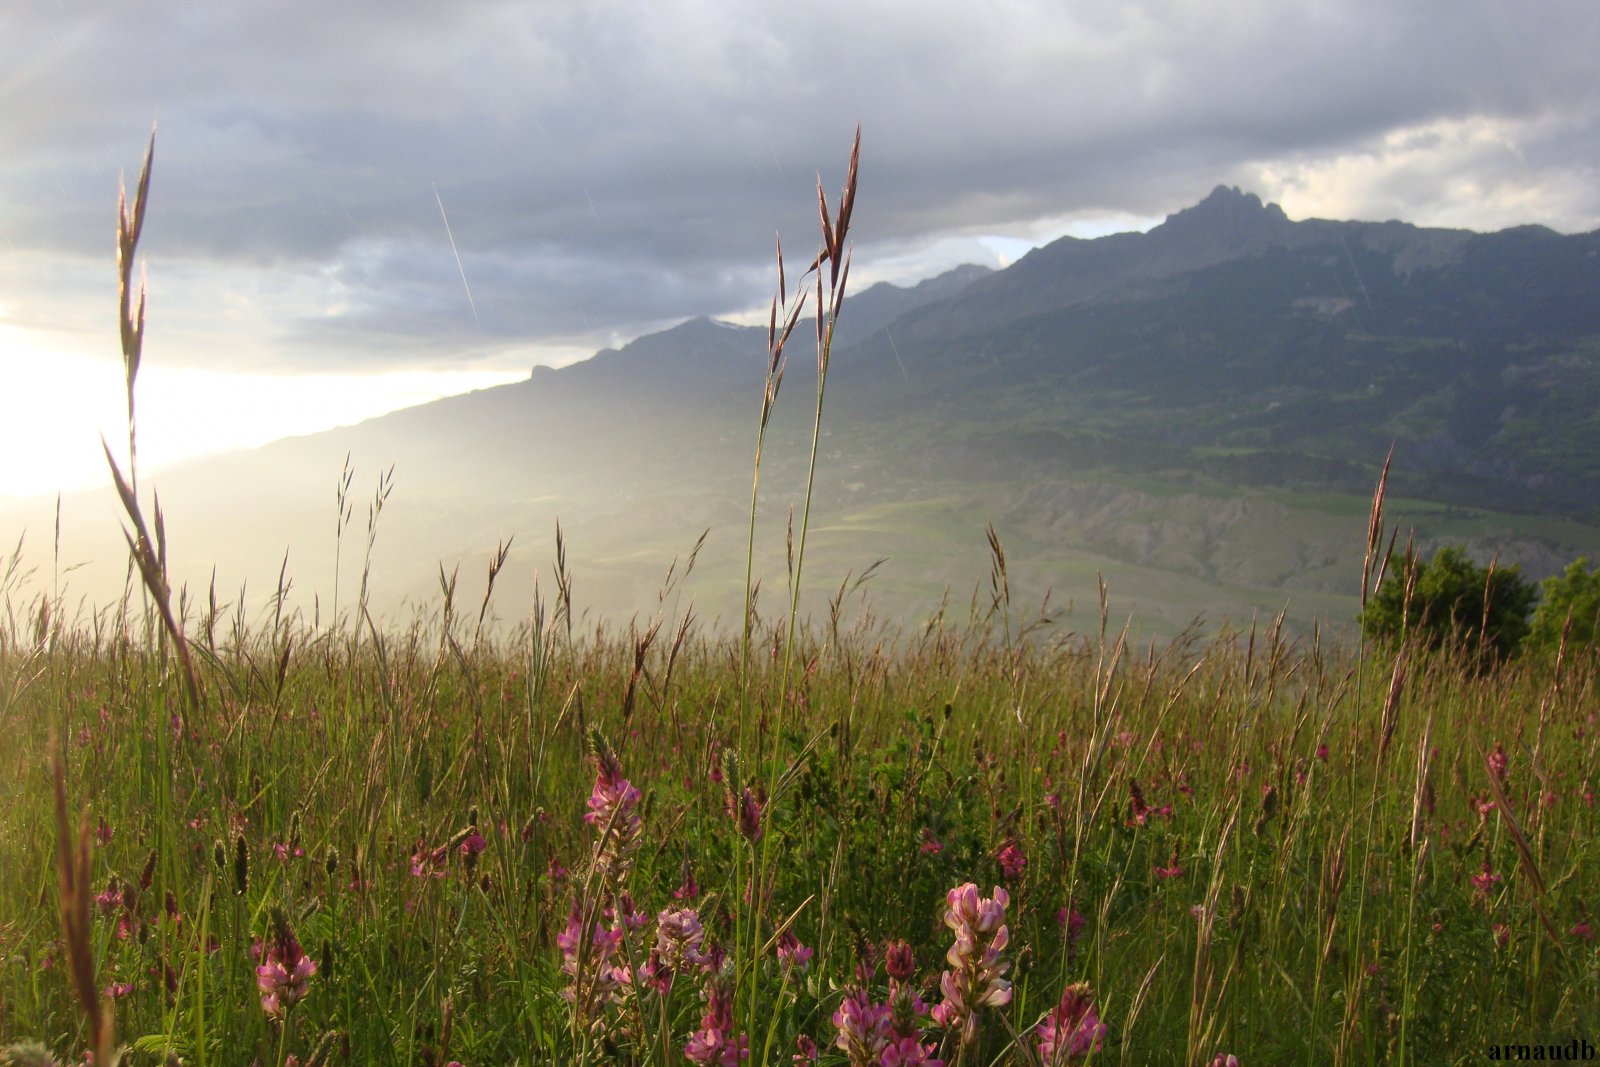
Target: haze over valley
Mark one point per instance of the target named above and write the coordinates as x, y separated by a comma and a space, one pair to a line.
1198, 413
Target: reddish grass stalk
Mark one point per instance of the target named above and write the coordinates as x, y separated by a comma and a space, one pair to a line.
150, 555
72, 870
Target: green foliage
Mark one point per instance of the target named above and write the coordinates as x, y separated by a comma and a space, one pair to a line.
909, 766
1450, 601
1575, 594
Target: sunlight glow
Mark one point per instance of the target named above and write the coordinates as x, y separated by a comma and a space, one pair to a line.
55, 404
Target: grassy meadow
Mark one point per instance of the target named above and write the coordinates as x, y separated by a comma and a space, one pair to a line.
1241, 846
842, 840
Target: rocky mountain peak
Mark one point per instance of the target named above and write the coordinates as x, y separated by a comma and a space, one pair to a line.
1228, 217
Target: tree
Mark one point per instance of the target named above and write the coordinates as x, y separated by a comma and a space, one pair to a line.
1453, 602
1575, 594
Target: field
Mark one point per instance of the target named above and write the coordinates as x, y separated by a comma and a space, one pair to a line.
269, 840
1242, 847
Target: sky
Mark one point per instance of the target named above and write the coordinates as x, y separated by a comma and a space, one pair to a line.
359, 206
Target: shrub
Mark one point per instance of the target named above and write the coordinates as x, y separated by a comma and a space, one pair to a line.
1452, 602
1575, 594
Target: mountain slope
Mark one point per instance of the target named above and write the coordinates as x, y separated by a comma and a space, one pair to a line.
1199, 412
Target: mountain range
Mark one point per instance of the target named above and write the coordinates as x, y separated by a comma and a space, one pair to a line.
1198, 412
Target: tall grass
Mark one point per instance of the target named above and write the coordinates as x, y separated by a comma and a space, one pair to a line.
361, 844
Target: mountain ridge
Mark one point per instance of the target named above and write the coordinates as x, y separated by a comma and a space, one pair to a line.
1199, 411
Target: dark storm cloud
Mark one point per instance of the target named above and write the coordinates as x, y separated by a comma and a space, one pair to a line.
605, 165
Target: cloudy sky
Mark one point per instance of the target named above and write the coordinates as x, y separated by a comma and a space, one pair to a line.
605, 168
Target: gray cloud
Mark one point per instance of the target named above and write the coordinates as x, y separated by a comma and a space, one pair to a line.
608, 165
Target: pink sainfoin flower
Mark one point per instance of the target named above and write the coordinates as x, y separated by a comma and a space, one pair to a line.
680, 939
1139, 811
792, 955
1499, 762
899, 961
907, 1016
110, 898
1582, 930
931, 846
1072, 1029
1071, 922
715, 1043
624, 910
976, 978
1225, 1060
1012, 861
910, 1052
863, 1028
1484, 881
748, 810
806, 1051
284, 973
688, 889
612, 812
594, 969
1172, 869
428, 862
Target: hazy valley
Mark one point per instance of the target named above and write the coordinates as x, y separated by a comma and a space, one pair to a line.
1199, 413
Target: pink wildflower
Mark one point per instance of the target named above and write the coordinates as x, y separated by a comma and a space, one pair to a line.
1582, 930
899, 962
284, 851
792, 955
680, 940
1172, 869
1071, 923
1228, 1060
714, 1043
427, 862
910, 1052
863, 1028
806, 1051
595, 969
625, 911
748, 810
1484, 881
1499, 762
931, 846
284, 973
1012, 861
907, 1012
1072, 1029
612, 812
688, 889
109, 899
976, 977
1141, 812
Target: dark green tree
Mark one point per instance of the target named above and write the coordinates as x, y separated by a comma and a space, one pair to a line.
1453, 603
1576, 594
